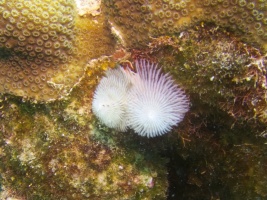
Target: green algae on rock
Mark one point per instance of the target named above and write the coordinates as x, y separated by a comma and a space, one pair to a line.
45, 45
69, 154
219, 151
215, 159
218, 68
57, 150
139, 21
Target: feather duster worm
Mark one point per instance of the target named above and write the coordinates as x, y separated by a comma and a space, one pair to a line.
155, 103
148, 101
109, 102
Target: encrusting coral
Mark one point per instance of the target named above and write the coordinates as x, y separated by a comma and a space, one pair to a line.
44, 47
139, 21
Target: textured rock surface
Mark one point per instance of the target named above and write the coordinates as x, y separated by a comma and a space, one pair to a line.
215, 145
69, 155
222, 71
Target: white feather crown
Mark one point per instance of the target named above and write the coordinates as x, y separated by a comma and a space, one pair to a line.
148, 101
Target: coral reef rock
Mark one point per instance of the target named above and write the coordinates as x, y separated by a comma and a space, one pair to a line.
57, 150
44, 47
139, 21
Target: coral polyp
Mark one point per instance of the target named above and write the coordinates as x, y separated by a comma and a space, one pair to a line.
155, 102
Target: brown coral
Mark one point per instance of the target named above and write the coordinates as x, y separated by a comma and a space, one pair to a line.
43, 49
138, 21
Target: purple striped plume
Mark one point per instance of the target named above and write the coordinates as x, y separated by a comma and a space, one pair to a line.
155, 102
